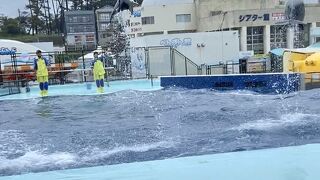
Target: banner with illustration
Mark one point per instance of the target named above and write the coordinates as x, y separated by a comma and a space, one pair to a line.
138, 62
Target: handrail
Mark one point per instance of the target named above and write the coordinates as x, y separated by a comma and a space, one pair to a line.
193, 63
72, 70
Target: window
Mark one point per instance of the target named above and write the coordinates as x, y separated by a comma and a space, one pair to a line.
89, 38
78, 39
103, 26
317, 39
104, 16
255, 39
85, 19
318, 24
278, 37
148, 20
88, 29
71, 30
73, 19
182, 18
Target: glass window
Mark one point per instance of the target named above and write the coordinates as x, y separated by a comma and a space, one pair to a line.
148, 20
278, 37
300, 35
71, 29
74, 19
183, 18
255, 39
104, 16
88, 28
103, 26
318, 24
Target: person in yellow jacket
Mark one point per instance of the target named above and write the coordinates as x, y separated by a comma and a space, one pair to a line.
40, 66
98, 72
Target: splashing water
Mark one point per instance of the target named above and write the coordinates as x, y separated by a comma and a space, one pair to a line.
129, 126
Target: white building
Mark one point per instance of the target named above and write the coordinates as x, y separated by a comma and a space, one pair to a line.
256, 21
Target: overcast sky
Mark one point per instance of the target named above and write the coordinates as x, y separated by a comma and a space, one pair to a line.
10, 7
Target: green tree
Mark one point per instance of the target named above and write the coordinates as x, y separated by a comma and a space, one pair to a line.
11, 26
90, 4
37, 15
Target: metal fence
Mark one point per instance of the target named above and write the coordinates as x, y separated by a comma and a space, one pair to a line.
164, 61
74, 67
17, 73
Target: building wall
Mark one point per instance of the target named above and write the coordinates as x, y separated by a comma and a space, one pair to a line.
103, 20
201, 48
165, 18
255, 20
216, 15
135, 29
80, 30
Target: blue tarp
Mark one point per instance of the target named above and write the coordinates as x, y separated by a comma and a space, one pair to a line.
278, 51
316, 45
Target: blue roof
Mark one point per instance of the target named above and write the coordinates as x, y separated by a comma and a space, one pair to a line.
277, 52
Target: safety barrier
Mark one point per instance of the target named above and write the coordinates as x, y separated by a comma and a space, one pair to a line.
262, 83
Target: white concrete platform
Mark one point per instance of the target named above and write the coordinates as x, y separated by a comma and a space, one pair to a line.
289, 163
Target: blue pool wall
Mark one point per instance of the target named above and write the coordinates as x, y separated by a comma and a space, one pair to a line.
262, 83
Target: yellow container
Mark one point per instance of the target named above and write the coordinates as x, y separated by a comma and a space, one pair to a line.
305, 62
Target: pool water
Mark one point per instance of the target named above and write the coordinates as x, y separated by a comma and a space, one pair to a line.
137, 125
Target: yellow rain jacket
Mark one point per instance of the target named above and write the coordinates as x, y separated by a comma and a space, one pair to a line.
98, 70
40, 65
41, 68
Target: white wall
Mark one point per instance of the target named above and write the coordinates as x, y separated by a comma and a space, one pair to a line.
165, 17
218, 46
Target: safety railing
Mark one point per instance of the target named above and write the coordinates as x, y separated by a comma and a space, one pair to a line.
163, 61
17, 73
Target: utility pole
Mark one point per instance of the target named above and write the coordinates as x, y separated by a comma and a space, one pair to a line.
67, 7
